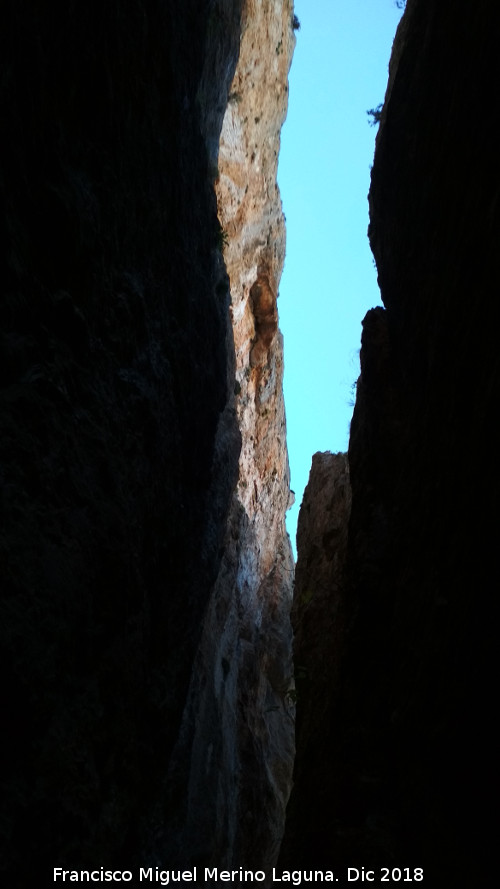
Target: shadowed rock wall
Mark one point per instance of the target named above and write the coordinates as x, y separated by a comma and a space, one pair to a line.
318, 618
405, 750
118, 435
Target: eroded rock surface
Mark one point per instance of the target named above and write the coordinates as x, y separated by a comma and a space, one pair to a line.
118, 432
237, 744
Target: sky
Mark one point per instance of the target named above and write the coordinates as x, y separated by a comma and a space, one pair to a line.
339, 71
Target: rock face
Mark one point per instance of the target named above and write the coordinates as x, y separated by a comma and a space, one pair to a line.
146, 573
405, 754
251, 216
318, 618
237, 745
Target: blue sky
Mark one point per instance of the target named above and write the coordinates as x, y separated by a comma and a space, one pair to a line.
339, 70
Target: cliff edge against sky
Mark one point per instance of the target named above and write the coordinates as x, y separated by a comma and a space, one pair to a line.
398, 769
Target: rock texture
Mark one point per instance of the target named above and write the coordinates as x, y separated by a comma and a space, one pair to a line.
146, 570
318, 617
251, 216
237, 745
405, 754
120, 440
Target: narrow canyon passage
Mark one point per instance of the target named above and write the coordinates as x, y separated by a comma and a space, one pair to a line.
151, 704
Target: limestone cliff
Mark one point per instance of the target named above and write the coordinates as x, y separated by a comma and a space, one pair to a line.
401, 768
237, 744
145, 567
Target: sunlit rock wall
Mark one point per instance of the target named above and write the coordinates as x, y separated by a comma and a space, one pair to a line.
252, 219
238, 739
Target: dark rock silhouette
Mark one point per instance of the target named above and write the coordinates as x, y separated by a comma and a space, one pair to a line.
404, 754
119, 447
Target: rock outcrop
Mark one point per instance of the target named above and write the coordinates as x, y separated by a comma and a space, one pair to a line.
146, 571
405, 755
318, 618
237, 745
